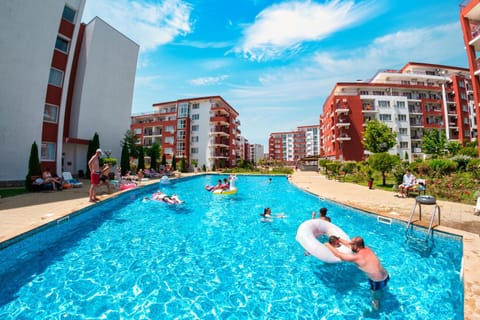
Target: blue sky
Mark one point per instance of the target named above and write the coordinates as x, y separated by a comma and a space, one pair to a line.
275, 62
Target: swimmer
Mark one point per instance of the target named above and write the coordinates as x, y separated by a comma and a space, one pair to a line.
367, 261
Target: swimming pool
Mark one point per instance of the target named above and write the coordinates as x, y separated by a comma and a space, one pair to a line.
212, 258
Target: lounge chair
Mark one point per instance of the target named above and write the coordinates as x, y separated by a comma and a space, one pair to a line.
68, 178
477, 207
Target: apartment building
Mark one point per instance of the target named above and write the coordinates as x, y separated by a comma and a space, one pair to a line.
416, 98
470, 22
292, 146
205, 130
256, 153
61, 82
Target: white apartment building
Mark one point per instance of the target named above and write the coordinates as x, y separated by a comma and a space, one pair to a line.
60, 82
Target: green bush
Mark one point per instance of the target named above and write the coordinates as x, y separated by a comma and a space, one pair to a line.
442, 167
112, 161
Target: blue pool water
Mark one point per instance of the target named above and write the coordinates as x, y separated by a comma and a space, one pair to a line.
213, 258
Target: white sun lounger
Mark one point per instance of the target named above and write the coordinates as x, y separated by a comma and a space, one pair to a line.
68, 178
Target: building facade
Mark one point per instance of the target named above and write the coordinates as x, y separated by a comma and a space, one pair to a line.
57, 86
257, 153
289, 147
470, 22
202, 130
416, 98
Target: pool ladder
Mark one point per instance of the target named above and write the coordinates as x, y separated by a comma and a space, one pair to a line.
425, 200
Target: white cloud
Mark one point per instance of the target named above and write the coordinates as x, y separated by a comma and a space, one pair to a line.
284, 27
150, 25
206, 81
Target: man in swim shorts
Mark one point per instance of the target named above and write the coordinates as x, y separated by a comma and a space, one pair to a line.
367, 261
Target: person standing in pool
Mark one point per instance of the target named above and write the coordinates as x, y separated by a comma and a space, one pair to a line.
367, 261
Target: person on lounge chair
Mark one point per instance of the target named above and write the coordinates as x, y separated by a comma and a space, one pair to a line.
407, 184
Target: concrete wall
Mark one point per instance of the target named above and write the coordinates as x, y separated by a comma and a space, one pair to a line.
28, 31
104, 85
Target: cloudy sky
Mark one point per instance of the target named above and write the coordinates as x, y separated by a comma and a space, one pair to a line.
275, 62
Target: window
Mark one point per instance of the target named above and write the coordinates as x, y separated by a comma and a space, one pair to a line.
181, 123
195, 105
363, 92
61, 44
69, 14
385, 117
181, 134
183, 110
195, 127
403, 144
195, 116
194, 139
402, 117
401, 104
48, 151
169, 140
383, 103
137, 131
168, 151
50, 113
56, 77
403, 131
169, 129
193, 150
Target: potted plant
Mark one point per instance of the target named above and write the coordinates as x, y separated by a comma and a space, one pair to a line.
370, 178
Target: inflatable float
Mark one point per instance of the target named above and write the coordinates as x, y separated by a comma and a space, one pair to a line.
308, 232
164, 180
126, 186
224, 189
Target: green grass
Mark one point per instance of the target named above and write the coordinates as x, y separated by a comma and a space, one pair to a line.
4, 193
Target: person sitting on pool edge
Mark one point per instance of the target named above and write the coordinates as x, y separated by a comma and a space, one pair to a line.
367, 261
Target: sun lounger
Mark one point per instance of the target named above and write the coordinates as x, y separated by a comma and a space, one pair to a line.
68, 178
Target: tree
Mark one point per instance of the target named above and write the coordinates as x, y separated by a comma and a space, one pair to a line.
174, 163
34, 168
434, 142
183, 165
125, 160
164, 160
453, 147
154, 153
93, 145
383, 162
141, 159
130, 140
378, 137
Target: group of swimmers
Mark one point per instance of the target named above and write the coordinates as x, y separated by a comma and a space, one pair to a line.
225, 185
363, 257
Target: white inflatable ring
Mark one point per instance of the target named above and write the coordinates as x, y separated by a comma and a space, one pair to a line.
308, 232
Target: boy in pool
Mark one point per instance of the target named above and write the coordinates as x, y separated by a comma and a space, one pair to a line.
367, 261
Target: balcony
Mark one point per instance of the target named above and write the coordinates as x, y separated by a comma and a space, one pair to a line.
221, 120
218, 130
218, 143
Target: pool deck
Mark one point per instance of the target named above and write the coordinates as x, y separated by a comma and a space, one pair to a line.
21, 214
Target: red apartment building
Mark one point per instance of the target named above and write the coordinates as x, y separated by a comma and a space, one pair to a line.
289, 147
470, 21
418, 97
205, 130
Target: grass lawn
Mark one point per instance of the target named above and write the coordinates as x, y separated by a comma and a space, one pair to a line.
10, 192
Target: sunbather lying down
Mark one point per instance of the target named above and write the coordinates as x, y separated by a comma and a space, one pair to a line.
160, 196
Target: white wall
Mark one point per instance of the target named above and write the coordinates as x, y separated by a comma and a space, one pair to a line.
104, 85
28, 31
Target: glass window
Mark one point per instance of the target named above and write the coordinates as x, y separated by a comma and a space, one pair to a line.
61, 44
195, 128
194, 150
56, 77
48, 151
195, 105
69, 14
183, 110
195, 116
137, 131
50, 113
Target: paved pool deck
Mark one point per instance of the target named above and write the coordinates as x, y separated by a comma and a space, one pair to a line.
21, 214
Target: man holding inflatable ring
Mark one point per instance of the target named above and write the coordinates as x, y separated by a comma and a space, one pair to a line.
367, 261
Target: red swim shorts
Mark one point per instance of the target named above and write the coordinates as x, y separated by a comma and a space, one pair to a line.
95, 178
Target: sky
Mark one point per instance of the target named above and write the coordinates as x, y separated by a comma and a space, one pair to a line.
276, 62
